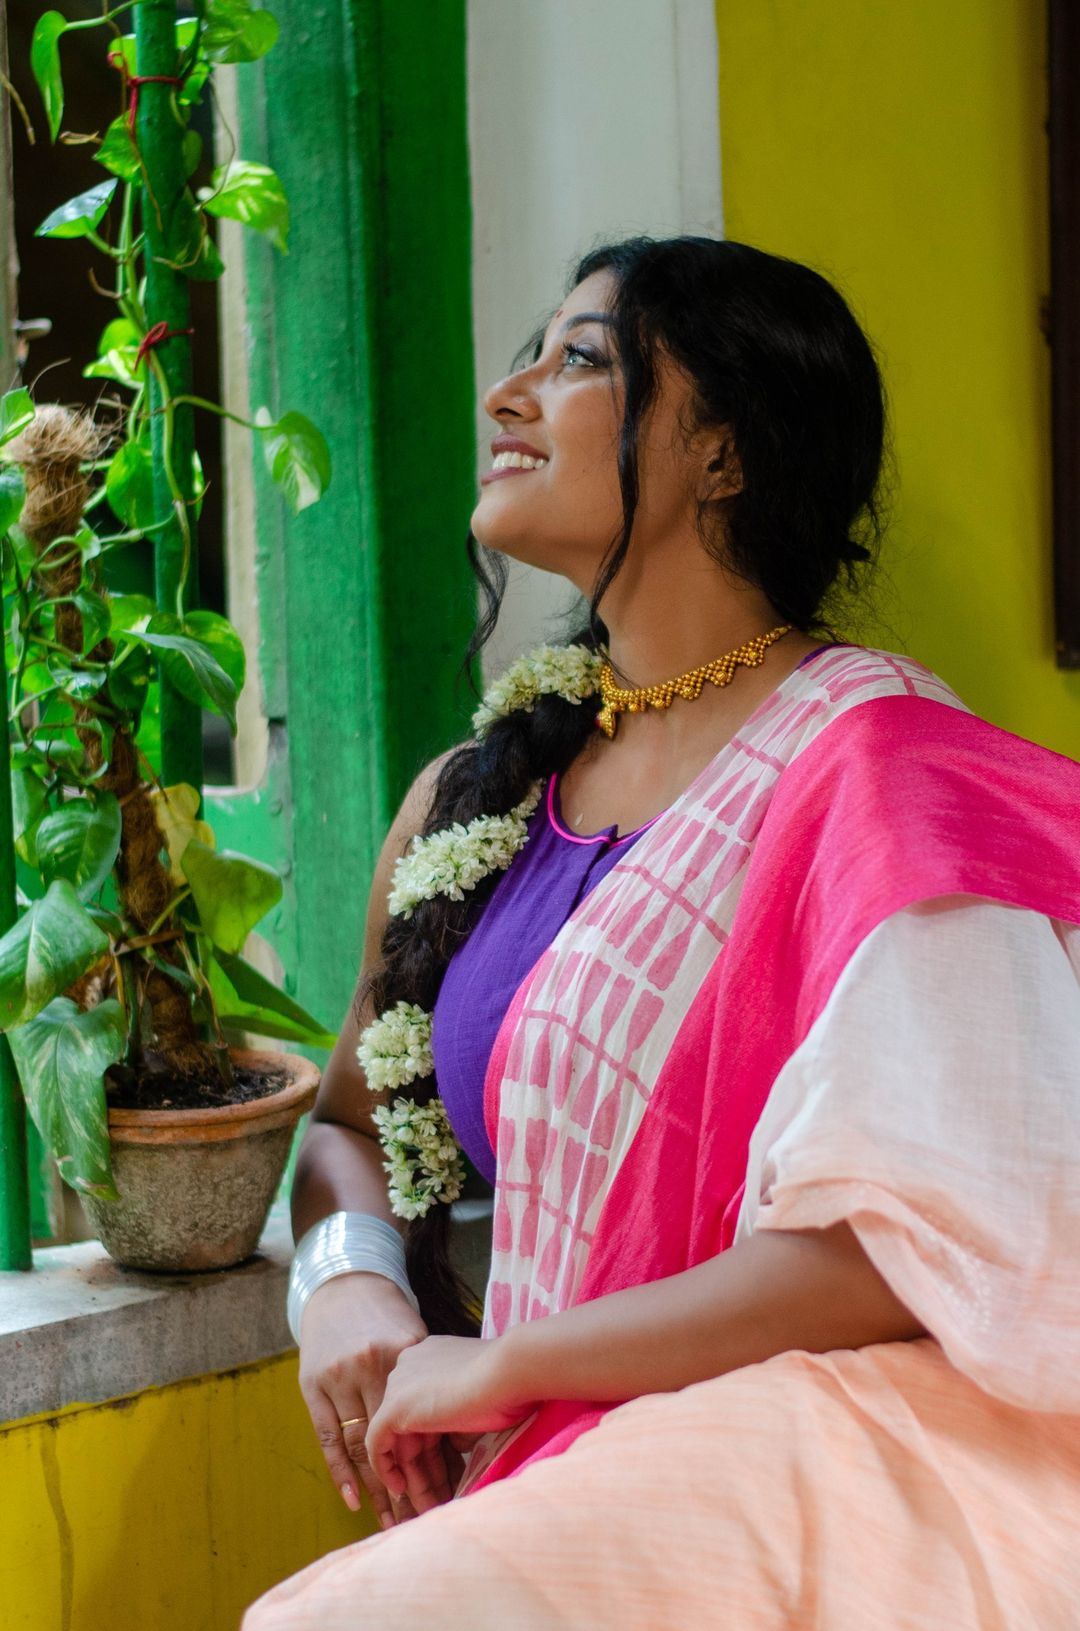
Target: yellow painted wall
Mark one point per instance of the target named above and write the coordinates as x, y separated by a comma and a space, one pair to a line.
169, 1511
900, 148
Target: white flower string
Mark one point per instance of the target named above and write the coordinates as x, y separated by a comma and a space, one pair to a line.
459, 857
570, 672
423, 1158
395, 1049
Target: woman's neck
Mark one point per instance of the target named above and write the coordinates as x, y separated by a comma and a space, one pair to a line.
661, 629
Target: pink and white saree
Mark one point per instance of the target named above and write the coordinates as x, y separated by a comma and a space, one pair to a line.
838, 979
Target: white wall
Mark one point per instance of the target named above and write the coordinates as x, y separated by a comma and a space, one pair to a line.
588, 120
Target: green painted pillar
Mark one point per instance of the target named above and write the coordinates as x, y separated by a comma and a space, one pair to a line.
14, 1189
14, 1193
167, 218
366, 602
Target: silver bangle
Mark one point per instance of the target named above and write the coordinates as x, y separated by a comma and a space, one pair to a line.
344, 1243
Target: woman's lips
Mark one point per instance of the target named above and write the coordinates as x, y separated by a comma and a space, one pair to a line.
497, 475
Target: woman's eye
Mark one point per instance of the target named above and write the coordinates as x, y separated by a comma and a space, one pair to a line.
574, 356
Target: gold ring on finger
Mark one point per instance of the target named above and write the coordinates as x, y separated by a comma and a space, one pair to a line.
353, 1421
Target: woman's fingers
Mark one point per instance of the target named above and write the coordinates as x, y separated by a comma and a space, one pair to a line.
353, 1433
346, 1456
420, 1464
440, 1478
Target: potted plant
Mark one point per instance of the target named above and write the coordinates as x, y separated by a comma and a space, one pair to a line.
125, 970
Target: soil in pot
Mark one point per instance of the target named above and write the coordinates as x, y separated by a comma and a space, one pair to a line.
131, 1090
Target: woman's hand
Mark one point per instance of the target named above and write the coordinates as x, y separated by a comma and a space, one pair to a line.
455, 1386
355, 1329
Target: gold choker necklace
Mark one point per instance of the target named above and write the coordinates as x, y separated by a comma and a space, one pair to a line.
721, 672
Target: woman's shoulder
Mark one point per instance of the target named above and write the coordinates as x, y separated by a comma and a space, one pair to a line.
846, 674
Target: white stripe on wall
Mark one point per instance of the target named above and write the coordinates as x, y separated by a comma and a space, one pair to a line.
588, 120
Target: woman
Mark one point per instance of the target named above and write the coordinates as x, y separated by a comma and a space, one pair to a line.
760, 1004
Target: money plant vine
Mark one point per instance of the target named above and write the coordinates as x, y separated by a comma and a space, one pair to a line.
124, 969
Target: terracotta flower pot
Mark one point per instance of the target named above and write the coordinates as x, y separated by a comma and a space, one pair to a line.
196, 1185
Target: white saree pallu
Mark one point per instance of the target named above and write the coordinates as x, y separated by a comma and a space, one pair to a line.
838, 980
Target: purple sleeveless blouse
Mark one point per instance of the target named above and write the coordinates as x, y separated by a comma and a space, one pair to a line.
528, 906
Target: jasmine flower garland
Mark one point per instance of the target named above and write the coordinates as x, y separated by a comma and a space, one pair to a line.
459, 857
423, 1157
571, 672
395, 1049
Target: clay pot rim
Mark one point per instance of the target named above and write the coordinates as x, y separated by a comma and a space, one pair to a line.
288, 1102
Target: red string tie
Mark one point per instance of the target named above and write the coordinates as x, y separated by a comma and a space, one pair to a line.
135, 83
157, 336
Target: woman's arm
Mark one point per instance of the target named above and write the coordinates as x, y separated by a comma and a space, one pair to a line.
766, 1295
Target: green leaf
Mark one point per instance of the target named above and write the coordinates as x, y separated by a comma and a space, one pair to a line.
129, 485
246, 1000
190, 667
192, 148
16, 412
232, 892
208, 264
28, 804
236, 33
62, 1057
117, 365
117, 150
45, 64
219, 637
96, 617
130, 674
12, 496
46, 950
79, 215
78, 683
251, 194
129, 611
80, 842
191, 90
117, 335
52, 751
188, 245
296, 456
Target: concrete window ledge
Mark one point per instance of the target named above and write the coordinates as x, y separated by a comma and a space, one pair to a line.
80, 1330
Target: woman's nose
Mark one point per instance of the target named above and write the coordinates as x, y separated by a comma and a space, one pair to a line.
511, 396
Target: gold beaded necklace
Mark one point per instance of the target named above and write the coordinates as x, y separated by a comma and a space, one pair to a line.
721, 671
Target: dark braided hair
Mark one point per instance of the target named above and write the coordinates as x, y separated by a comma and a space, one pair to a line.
773, 352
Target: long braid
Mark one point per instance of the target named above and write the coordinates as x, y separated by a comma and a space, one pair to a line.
487, 777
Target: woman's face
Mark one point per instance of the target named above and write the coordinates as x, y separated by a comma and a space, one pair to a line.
551, 496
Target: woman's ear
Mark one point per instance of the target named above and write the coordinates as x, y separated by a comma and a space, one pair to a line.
723, 473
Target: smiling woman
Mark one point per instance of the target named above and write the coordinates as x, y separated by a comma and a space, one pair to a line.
776, 1089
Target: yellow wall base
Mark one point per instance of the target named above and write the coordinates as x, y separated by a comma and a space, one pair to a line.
901, 149
169, 1511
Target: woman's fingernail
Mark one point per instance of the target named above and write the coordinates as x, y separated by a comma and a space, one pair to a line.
350, 1497
386, 1519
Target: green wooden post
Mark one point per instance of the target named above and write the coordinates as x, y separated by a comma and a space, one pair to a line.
366, 602
14, 1195
14, 1190
166, 217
